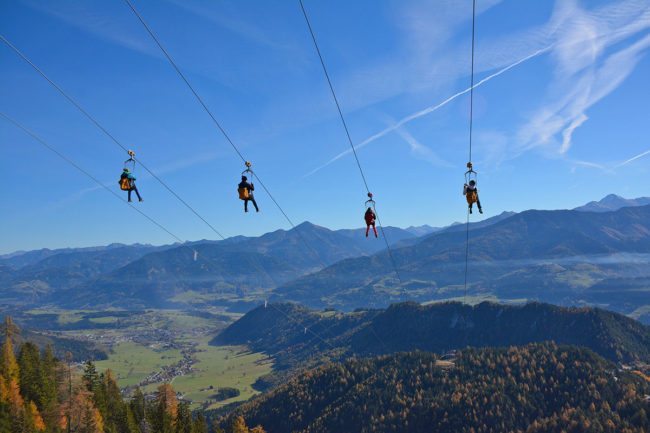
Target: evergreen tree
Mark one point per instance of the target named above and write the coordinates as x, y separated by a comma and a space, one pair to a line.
99, 395
199, 425
49, 404
162, 417
184, 419
8, 363
137, 406
90, 376
116, 417
30, 377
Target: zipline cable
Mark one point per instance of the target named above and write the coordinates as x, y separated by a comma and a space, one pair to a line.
471, 124
216, 122
93, 178
106, 132
151, 219
471, 87
241, 156
347, 133
118, 143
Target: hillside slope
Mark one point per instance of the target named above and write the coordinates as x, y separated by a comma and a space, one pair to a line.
436, 328
535, 388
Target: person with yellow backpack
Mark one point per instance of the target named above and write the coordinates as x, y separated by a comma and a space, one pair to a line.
127, 183
245, 190
471, 194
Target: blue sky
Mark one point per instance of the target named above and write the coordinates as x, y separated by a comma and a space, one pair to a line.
560, 114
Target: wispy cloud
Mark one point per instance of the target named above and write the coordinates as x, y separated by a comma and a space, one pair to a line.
634, 158
82, 16
421, 151
411, 117
586, 70
233, 23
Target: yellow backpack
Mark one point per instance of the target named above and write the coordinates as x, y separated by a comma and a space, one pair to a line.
125, 184
243, 193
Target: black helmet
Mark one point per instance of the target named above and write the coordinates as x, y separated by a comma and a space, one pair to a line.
472, 182
244, 178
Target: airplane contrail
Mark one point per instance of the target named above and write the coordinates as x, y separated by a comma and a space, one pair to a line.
426, 111
634, 158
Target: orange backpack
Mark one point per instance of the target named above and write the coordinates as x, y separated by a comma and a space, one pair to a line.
125, 183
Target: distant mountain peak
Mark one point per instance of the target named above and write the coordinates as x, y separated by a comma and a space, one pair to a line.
613, 202
309, 225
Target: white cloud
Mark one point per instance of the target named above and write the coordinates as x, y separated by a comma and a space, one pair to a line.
586, 70
428, 110
421, 151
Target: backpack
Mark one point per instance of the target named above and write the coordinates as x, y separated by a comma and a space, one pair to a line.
471, 196
243, 193
125, 183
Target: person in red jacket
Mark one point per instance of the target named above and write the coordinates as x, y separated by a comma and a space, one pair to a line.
370, 218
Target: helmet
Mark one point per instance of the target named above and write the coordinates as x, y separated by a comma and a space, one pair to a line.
472, 182
244, 178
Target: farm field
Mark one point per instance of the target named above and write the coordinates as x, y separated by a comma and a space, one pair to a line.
152, 347
131, 362
219, 367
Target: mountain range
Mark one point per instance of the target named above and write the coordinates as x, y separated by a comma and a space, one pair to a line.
564, 257
613, 202
145, 275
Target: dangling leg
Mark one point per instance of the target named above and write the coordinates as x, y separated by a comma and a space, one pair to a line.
255, 204
137, 193
478, 203
374, 229
129, 196
367, 229
246, 205
470, 207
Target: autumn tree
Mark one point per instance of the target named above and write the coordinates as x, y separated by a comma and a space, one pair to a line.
162, 417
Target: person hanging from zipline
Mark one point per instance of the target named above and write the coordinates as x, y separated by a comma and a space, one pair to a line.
127, 178
127, 183
471, 194
370, 218
245, 190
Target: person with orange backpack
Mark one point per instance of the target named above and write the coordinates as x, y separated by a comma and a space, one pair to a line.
127, 183
245, 190
471, 194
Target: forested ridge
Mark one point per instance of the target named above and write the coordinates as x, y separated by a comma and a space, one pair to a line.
42, 394
534, 388
436, 328
80, 350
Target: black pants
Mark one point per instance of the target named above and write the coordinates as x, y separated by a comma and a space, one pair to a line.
254, 204
136, 193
